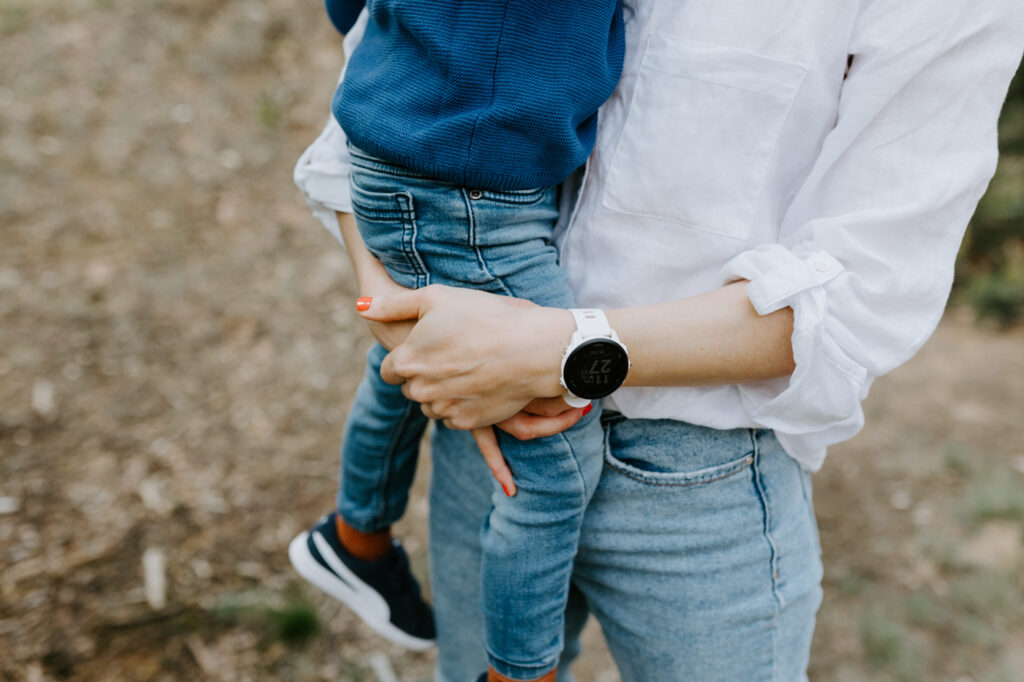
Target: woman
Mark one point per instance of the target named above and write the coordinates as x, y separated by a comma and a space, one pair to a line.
770, 219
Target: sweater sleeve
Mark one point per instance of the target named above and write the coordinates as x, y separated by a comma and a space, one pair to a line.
343, 13
322, 171
867, 248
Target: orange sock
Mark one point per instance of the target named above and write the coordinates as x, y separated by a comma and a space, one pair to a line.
495, 676
366, 546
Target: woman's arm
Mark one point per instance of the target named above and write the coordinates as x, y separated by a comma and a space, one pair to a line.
714, 338
506, 353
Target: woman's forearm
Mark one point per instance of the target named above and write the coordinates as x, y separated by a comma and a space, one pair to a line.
712, 338
475, 358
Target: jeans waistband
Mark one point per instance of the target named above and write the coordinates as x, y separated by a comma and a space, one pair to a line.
367, 161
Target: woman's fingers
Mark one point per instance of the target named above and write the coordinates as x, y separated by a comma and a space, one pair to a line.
526, 426
390, 334
405, 305
488, 444
388, 371
547, 407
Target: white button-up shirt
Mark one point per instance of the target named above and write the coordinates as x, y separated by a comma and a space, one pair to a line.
831, 152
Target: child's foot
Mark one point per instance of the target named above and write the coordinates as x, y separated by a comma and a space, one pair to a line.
382, 592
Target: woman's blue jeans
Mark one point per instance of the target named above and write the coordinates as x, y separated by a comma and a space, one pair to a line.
425, 232
698, 555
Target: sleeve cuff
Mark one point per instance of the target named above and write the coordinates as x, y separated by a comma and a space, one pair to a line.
821, 400
322, 174
777, 275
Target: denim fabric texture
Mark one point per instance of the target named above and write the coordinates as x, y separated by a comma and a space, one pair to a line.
427, 232
698, 555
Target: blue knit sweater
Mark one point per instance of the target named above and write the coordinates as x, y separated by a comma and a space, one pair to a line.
497, 94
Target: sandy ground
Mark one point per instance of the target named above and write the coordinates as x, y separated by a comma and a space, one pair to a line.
178, 350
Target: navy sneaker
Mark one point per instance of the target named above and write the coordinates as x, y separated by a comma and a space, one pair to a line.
383, 592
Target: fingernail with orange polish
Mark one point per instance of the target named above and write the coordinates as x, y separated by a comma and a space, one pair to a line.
505, 488
363, 304
587, 409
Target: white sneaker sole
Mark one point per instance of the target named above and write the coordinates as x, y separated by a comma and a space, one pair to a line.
357, 595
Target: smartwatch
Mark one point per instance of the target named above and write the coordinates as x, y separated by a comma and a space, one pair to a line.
595, 362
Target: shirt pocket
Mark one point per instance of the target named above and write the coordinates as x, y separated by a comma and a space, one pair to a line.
700, 134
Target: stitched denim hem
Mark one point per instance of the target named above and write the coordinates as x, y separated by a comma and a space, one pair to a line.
519, 671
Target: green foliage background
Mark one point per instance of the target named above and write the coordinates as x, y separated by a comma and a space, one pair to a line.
990, 270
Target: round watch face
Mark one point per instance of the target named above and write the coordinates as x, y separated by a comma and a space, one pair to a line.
595, 368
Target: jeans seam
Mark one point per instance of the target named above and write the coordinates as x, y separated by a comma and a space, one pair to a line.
385, 506
579, 468
773, 564
476, 247
409, 234
766, 508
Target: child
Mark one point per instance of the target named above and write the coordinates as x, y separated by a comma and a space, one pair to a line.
462, 118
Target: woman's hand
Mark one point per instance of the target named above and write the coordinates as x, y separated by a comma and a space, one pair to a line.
389, 334
473, 358
373, 280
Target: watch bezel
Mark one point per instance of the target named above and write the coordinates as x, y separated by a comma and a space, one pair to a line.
572, 386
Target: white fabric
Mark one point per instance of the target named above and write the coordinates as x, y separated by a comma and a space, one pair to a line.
736, 146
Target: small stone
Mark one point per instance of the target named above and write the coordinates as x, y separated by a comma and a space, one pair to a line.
151, 493
160, 218
230, 159
9, 505
182, 113
900, 500
201, 568
71, 371
99, 274
154, 571
922, 514
997, 545
43, 401
49, 145
9, 278
381, 667
23, 438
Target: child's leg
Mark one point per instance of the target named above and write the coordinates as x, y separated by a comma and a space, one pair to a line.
428, 232
381, 442
529, 541
354, 560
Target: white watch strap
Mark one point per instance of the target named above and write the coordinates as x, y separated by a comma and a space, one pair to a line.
591, 322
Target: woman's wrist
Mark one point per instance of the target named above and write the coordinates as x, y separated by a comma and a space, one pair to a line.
554, 330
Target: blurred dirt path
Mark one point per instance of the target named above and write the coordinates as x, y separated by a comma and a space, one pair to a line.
178, 350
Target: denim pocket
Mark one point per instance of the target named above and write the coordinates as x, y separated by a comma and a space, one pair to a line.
387, 225
664, 463
516, 197
395, 207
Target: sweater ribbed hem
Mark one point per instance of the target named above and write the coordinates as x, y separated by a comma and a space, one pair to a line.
461, 176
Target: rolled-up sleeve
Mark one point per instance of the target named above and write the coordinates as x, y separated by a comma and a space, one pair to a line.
867, 248
322, 172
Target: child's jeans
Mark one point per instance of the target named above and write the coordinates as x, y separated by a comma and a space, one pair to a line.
426, 232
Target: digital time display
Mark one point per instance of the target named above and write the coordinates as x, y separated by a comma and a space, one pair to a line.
595, 368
